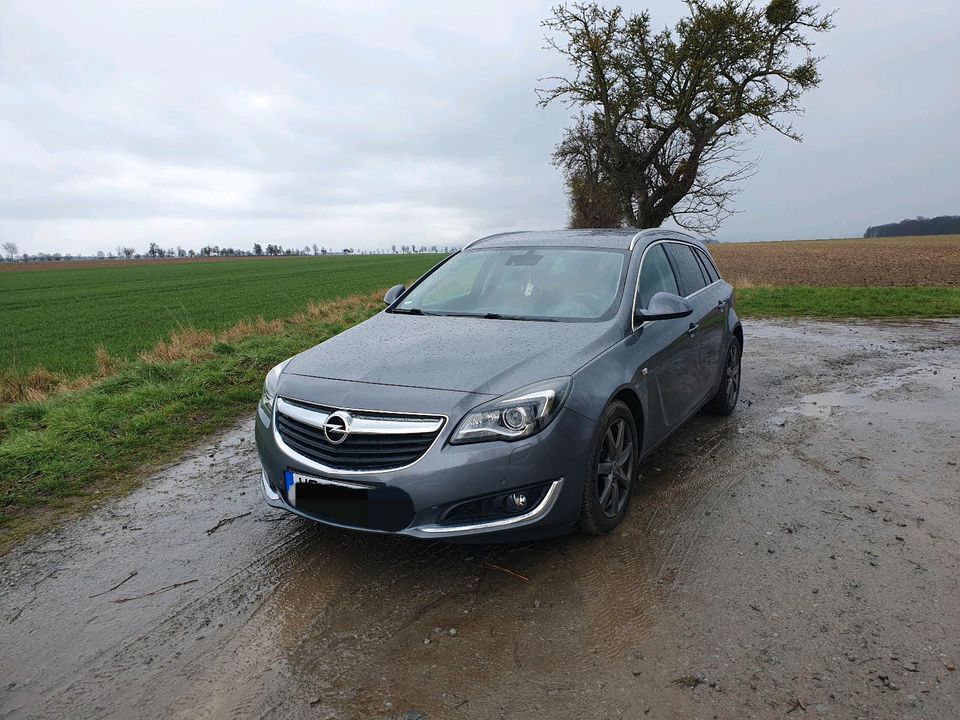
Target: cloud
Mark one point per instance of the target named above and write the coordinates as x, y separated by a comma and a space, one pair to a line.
369, 124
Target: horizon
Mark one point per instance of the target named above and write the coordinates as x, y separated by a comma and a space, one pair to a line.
308, 250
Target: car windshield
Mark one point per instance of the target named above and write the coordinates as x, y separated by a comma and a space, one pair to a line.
553, 283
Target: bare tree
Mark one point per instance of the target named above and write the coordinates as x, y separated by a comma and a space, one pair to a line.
11, 249
662, 114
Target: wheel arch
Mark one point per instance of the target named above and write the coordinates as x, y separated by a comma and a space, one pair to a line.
628, 396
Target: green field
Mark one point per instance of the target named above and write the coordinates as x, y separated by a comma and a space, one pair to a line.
58, 317
849, 302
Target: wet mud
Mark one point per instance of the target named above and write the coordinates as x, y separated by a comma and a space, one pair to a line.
801, 558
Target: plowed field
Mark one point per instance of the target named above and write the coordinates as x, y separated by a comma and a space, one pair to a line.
883, 262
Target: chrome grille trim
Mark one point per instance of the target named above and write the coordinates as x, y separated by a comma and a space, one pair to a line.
364, 422
368, 425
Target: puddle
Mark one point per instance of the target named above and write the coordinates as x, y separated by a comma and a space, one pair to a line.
824, 405
876, 393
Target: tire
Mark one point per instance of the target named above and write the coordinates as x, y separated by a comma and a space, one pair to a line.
725, 401
616, 447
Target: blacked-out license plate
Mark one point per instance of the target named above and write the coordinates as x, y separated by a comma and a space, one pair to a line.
345, 502
367, 506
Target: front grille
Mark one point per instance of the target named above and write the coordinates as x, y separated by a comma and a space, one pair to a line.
300, 427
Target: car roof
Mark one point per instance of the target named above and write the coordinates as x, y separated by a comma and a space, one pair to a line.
617, 239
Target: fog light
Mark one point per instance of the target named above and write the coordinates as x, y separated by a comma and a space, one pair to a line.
508, 504
517, 501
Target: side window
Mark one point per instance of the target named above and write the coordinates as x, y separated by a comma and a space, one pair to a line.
655, 276
687, 266
709, 268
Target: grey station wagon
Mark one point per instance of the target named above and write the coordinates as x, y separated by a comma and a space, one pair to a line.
509, 393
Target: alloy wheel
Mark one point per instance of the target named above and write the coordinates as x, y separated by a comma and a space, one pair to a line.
732, 374
615, 468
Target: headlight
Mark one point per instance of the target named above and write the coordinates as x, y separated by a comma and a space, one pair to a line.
270, 388
516, 415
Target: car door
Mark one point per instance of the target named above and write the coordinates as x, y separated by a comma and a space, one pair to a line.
713, 335
703, 322
670, 355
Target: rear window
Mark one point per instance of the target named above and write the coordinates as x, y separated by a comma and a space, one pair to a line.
687, 266
708, 267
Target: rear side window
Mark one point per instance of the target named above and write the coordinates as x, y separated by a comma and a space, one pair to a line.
655, 276
708, 267
687, 267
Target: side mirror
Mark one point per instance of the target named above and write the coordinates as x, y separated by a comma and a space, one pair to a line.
664, 306
393, 293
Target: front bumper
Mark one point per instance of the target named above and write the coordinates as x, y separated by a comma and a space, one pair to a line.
450, 474
517, 522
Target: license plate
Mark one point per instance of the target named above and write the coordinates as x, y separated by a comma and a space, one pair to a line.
345, 501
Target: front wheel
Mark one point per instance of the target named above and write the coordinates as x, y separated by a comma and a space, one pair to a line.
725, 401
610, 474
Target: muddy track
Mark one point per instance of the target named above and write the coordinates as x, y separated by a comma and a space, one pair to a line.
802, 557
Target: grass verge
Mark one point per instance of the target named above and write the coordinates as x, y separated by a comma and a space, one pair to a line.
60, 454
848, 302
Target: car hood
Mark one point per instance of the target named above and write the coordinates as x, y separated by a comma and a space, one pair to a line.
465, 354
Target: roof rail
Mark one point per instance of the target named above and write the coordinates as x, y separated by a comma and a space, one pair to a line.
490, 237
656, 231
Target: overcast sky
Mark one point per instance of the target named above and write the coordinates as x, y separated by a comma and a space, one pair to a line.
366, 124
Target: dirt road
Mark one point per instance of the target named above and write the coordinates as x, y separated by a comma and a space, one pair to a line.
799, 559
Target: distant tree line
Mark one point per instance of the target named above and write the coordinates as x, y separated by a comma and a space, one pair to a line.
9, 252
942, 225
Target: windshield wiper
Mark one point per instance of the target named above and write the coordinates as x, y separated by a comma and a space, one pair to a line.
408, 311
418, 311
501, 316
485, 316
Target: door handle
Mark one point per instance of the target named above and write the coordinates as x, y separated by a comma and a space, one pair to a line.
722, 304
692, 330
